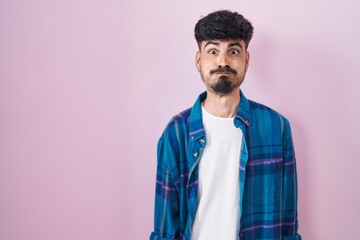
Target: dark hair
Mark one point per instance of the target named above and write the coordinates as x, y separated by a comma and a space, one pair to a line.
223, 24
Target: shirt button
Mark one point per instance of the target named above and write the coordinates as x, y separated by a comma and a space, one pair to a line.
192, 137
196, 154
202, 140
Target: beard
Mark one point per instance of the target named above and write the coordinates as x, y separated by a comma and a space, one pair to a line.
224, 85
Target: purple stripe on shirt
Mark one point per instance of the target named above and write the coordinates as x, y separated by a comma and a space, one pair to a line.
197, 131
164, 186
191, 184
264, 161
289, 163
267, 226
182, 175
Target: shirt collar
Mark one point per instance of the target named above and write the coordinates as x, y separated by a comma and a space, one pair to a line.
243, 113
196, 127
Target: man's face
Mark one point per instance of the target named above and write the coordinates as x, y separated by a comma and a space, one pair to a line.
222, 65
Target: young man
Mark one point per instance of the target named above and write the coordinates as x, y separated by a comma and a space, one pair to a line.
226, 167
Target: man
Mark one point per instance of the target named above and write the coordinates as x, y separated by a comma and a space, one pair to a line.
226, 167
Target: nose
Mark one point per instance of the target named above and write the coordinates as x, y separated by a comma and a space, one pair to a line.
222, 62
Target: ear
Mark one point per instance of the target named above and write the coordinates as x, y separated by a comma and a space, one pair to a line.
247, 60
197, 60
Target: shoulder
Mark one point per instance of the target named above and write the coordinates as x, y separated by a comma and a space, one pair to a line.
177, 127
172, 142
259, 109
265, 115
180, 118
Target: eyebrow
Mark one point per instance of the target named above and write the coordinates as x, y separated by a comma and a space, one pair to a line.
211, 42
229, 45
235, 44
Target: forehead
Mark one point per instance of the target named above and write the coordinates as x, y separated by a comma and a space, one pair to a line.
223, 43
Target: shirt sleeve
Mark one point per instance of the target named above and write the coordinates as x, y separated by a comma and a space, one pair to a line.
166, 212
289, 188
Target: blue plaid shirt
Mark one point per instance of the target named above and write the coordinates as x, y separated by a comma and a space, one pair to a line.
267, 174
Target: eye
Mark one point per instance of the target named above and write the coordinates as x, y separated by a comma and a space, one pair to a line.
213, 51
234, 51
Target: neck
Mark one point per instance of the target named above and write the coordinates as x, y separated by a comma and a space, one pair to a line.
222, 105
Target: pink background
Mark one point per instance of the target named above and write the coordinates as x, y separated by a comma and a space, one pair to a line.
86, 88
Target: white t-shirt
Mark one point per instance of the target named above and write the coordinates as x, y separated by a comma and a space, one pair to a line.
217, 215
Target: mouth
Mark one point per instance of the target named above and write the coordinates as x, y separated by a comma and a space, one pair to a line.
222, 73
226, 71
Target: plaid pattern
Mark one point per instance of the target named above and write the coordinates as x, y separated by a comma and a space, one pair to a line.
267, 174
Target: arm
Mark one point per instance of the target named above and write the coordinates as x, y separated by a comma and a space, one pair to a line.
289, 188
166, 219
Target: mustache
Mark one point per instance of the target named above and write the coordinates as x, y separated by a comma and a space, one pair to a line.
224, 69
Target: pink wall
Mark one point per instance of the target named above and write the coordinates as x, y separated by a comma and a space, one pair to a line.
86, 87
